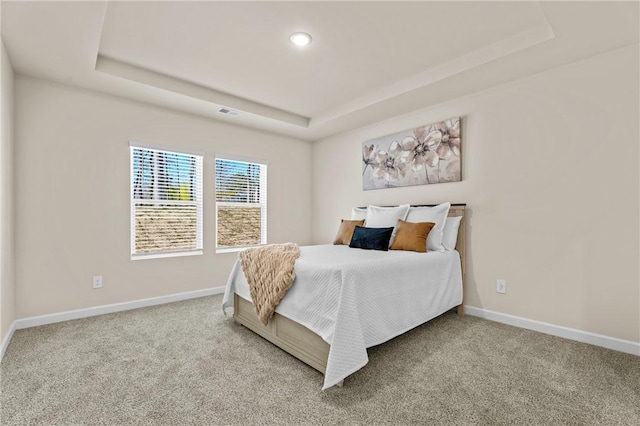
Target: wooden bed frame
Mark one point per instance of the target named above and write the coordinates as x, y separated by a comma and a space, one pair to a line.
303, 343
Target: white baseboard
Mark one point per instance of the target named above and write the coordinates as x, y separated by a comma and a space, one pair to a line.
6, 340
621, 345
116, 307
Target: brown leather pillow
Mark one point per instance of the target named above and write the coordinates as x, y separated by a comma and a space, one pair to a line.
412, 236
346, 231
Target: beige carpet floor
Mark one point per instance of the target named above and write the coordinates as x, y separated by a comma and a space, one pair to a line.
184, 364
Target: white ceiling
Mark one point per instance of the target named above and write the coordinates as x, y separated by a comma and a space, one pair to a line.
368, 60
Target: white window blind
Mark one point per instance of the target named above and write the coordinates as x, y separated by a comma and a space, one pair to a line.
166, 203
241, 203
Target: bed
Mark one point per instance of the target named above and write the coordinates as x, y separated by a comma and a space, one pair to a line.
346, 300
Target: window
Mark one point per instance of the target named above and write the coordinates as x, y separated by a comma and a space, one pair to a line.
166, 202
241, 203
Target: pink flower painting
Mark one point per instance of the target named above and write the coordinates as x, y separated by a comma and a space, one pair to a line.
421, 156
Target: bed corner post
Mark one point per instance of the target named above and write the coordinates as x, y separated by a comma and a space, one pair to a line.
460, 310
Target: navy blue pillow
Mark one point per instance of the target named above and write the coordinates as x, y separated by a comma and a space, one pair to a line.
371, 238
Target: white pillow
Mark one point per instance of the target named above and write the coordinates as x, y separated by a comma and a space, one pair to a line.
437, 215
386, 217
358, 213
450, 232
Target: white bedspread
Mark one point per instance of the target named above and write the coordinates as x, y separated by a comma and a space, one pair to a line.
355, 299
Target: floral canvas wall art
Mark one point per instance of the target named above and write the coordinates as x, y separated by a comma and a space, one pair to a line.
421, 156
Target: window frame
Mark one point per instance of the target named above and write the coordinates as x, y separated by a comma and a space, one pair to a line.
198, 202
263, 204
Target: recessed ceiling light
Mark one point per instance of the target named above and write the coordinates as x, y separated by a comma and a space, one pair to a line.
300, 39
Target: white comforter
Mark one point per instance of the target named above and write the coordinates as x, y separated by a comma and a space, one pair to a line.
355, 299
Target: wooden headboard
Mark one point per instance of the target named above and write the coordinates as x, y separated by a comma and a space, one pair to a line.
455, 210
458, 210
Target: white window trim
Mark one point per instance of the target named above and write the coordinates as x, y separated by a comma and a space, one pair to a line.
199, 202
145, 145
241, 158
263, 211
167, 254
235, 249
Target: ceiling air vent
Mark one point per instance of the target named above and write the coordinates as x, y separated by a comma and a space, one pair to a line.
228, 111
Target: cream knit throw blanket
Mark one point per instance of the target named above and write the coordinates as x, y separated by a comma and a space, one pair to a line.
269, 272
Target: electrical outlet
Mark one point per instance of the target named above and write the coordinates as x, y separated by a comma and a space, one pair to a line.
501, 286
97, 281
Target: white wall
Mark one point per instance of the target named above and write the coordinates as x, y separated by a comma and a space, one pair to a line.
551, 179
73, 209
7, 247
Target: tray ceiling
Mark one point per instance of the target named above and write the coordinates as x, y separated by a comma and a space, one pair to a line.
368, 60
